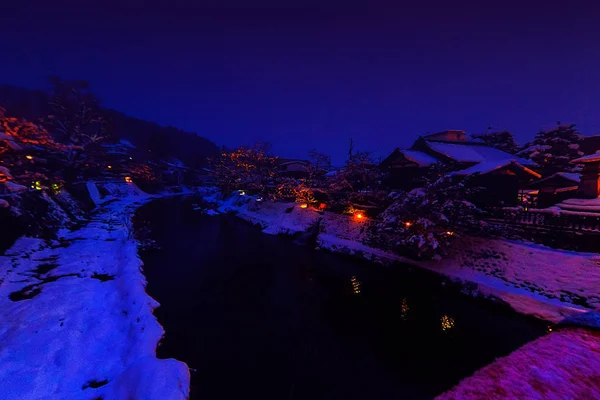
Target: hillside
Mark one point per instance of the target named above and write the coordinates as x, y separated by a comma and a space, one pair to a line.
163, 141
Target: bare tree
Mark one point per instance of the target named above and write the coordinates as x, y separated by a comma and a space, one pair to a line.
245, 167
77, 118
320, 161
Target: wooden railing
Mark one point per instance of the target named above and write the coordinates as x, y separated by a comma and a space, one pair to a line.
550, 219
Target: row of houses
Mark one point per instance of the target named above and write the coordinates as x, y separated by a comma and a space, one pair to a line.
499, 175
504, 179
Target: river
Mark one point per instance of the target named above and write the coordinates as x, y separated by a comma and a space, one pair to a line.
258, 316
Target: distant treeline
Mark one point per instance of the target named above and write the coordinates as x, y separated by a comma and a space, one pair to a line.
163, 141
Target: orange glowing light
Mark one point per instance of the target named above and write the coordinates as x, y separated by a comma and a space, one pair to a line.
322, 206
128, 179
303, 205
408, 224
359, 215
29, 157
110, 166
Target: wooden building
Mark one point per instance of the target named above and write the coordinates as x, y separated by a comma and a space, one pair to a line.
293, 168
589, 186
500, 174
555, 188
406, 168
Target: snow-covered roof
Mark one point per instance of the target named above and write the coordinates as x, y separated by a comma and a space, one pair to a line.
489, 166
587, 159
475, 153
420, 158
303, 162
126, 143
571, 176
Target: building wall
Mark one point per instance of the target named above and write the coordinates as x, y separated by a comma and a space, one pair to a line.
294, 167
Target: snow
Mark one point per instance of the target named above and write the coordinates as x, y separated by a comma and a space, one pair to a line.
561, 365
167, 377
352, 247
93, 192
4, 204
587, 159
581, 205
126, 143
271, 216
535, 149
422, 159
14, 187
5, 171
475, 153
571, 176
536, 280
74, 312
587, 320
212, 212
121, 146
489, 166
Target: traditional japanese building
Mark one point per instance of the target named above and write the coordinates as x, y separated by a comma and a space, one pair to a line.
500, 174
555, 188
589, 186
293, 168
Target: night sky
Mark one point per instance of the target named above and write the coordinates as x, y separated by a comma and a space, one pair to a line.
313, 75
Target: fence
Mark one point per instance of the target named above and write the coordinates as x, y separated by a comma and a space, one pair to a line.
568, 230
549, 219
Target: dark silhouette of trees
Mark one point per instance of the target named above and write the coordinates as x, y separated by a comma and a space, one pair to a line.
554, 149
504, 141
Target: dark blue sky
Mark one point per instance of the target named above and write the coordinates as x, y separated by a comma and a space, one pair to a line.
315, 75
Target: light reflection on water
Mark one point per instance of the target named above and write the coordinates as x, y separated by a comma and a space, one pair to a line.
404, 309
447, 323
355, 285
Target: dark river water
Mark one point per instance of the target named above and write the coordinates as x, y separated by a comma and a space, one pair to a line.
260, 317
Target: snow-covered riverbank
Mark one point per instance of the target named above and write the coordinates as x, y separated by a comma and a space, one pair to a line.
76, 322
561, 365
533, 279
536, 280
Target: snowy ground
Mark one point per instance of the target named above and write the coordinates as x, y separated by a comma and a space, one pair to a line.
562, 365
275, 218
533, 279
76, 322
